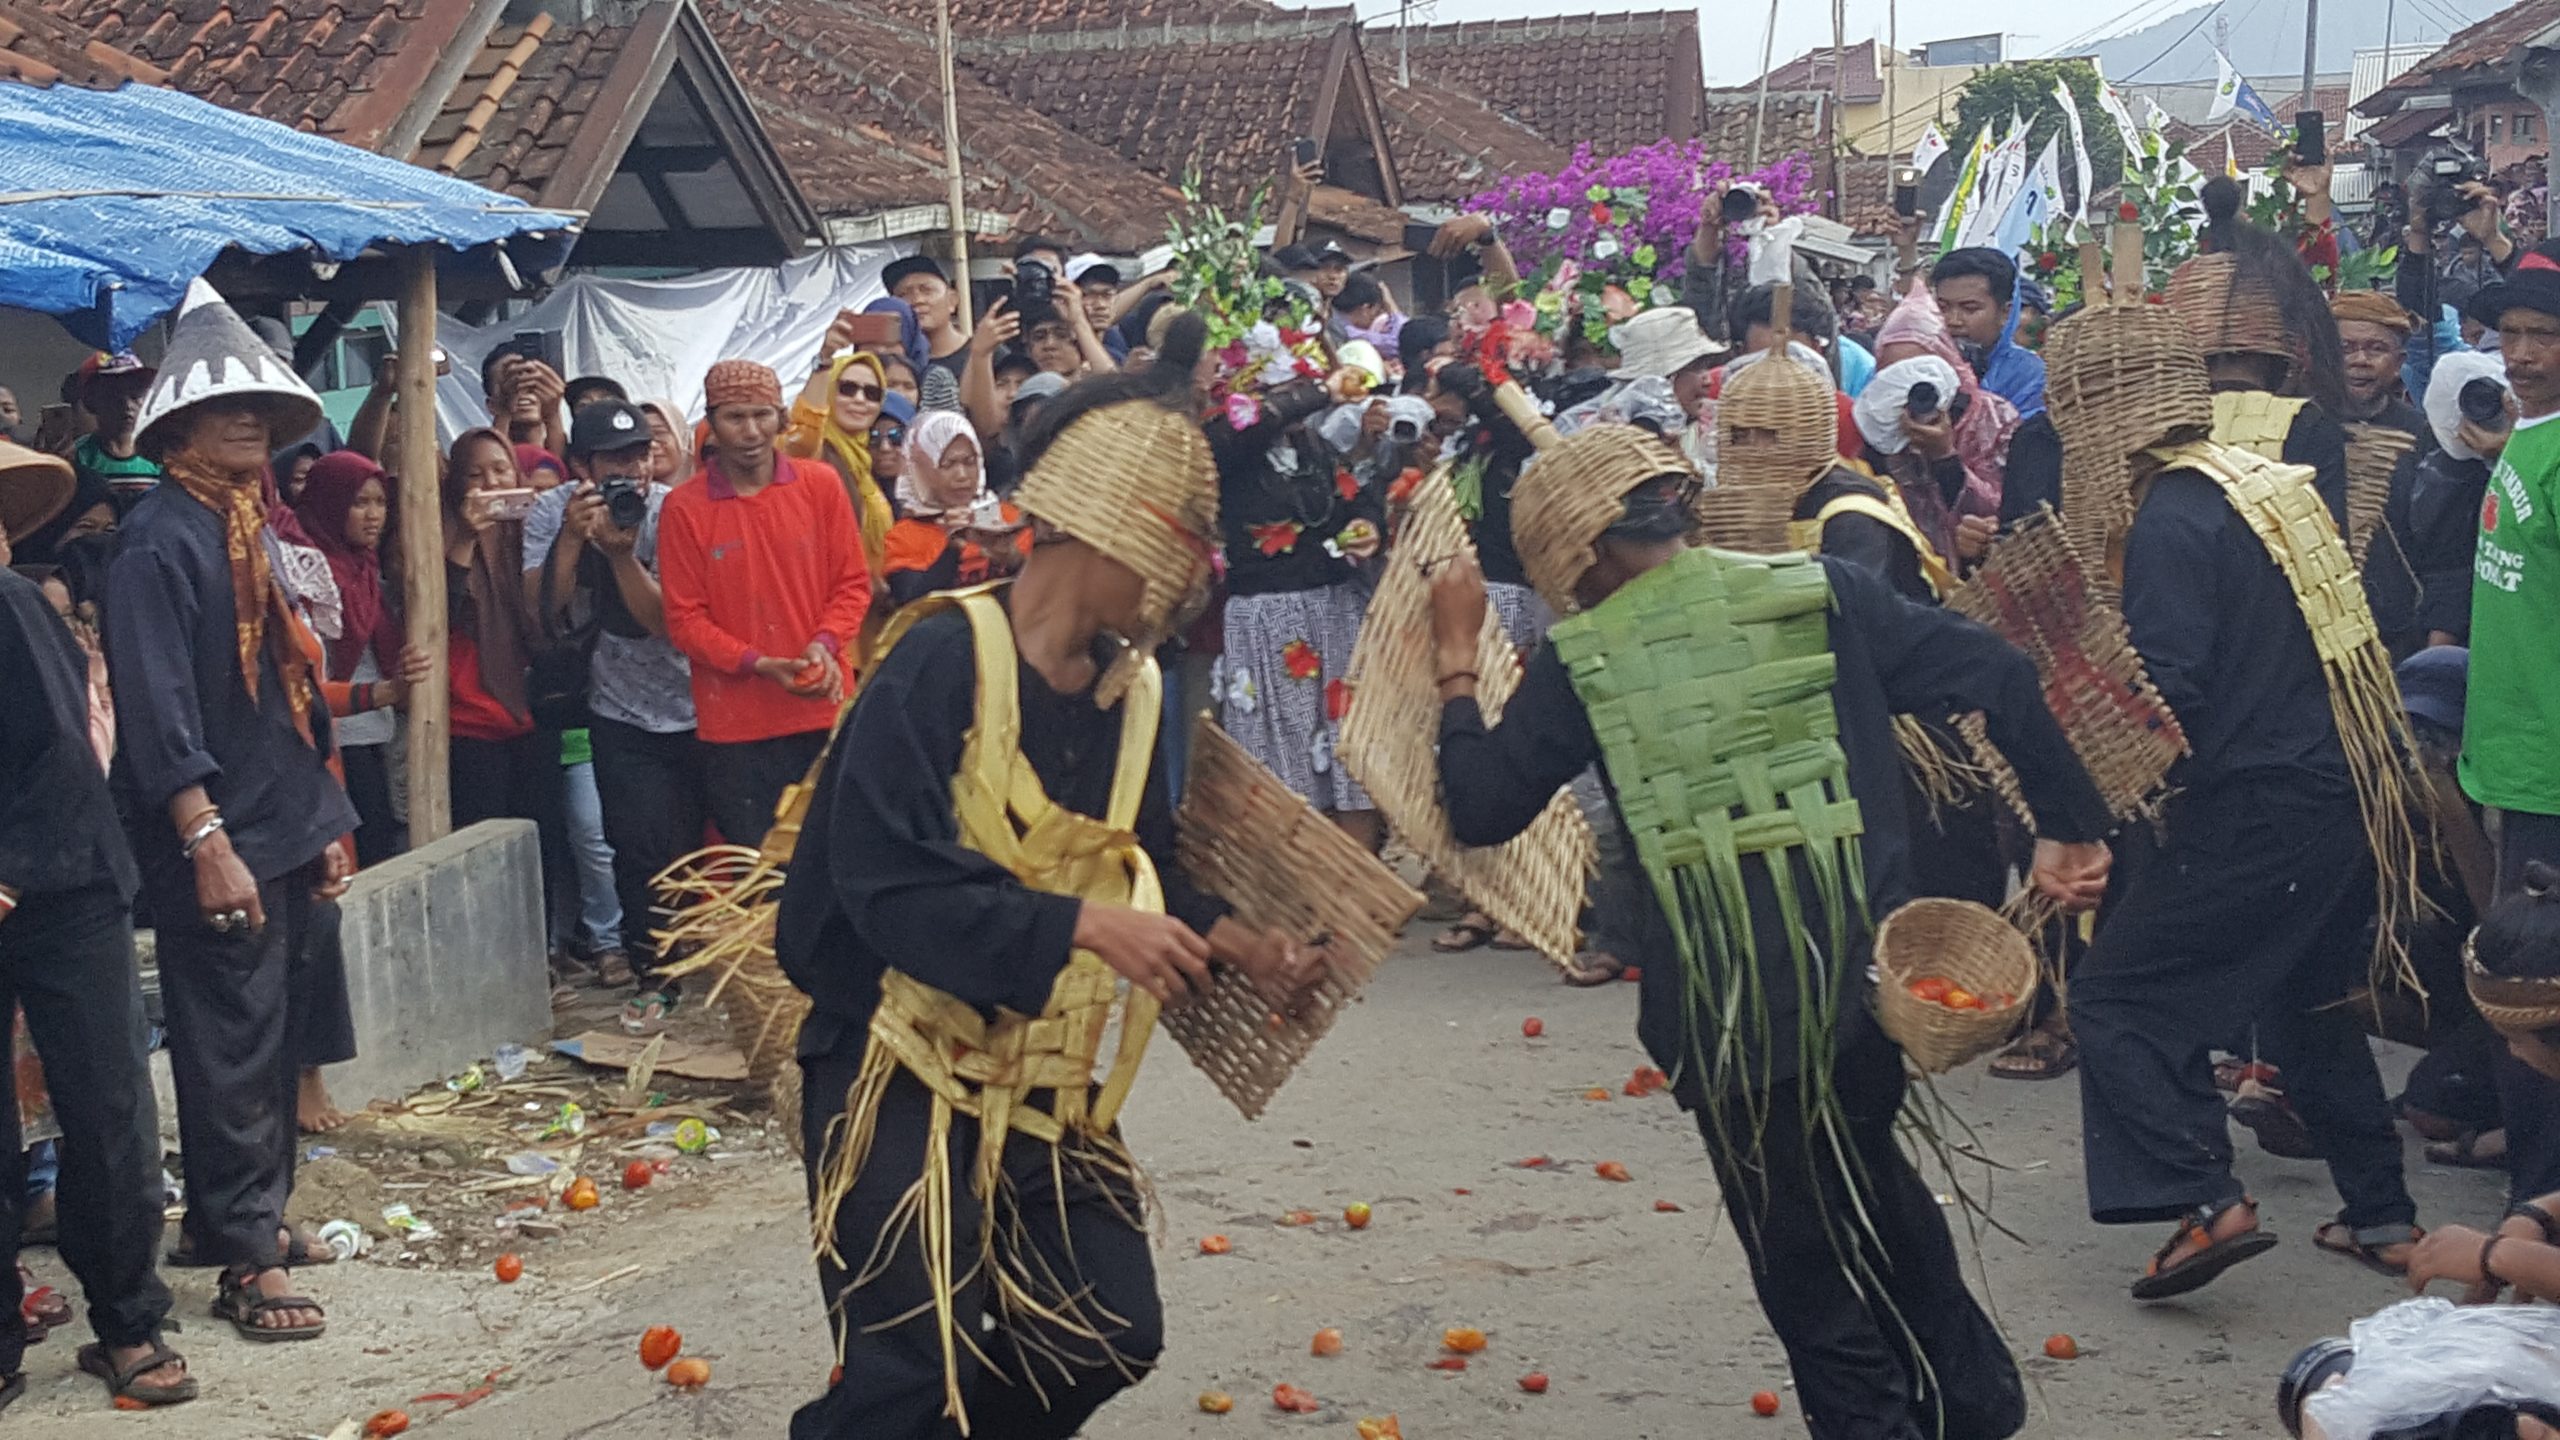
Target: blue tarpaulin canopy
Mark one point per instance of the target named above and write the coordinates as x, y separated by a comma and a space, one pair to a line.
112, 200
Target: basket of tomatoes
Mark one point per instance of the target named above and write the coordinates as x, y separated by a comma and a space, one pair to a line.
1953, 981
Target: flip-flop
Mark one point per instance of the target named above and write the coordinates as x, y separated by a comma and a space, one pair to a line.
1593, 970
1464, 936
646, 1013
2368, 1253
124, 1383
2049, 1056
2164, 1280
2265, 1113
1509, 940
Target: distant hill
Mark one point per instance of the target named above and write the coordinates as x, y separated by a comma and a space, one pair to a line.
2266, 36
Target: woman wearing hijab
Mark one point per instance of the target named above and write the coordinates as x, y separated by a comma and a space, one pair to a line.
670, 442
92, 511
912, 346
1983, 421
831, 421
345, 509
955, 531
502, 767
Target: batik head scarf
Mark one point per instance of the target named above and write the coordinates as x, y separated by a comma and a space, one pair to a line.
327, 495
851, 455
934, 432
1982, 433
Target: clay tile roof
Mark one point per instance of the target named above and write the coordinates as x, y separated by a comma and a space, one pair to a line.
1866, 195
1797, 121
343, 68
40, 49
1616, 81
520, 102
992, 17
1450, 145
855, 106
2480, 47
1812, 70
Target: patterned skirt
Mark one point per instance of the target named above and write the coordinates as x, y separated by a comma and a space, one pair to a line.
1280, 688
1524, 616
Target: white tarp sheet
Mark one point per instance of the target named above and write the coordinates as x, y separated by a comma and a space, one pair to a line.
659, 337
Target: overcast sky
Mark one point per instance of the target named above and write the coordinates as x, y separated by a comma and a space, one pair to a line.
1734, 29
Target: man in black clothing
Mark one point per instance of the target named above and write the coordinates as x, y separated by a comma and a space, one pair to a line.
1849, 1250
222, 746
66, 956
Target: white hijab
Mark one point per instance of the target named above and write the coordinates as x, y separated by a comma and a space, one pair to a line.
933, 433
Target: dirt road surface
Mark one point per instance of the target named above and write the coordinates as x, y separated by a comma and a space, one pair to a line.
1420, 1104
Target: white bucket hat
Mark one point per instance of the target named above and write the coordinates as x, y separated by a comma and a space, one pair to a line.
1660, 343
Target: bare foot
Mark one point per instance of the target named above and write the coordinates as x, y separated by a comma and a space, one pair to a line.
312, 1108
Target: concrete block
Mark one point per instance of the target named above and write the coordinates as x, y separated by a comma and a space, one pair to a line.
445, 960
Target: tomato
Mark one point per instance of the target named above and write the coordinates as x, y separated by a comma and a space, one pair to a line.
1296, 1218
510, 1268
1285, 1396
1595, 1093
1215, 1245
1764, 1402
1450, 1362
1463, 1339
1666, 1207
1962, 1000
1535, 1382
1328, 1341
1533, 1027
1216, 1402
581, 1194
689, 1373
2061, 1347
659, 1344
1930, 987
637, 1175
1377, 1429
387, 1422
1356, 1214
1612, 1170
1535, 1162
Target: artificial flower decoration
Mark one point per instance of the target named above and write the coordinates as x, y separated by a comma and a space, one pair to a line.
1337, 698
1358, 539
1301, 660
1263, 331
1279, 537
1405, 484
1346, 484
1243, 410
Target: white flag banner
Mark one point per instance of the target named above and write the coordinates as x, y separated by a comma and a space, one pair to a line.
2112, 102
2079, 147
1932, 146
2226, 87
2003, 174
2046, 179
2154, 119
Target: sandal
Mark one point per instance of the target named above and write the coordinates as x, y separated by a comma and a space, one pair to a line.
43, 1305
2470, 1151
2037, 1055
2365, 1246
1509, 939
236, 1302
125, 1383
1470, 933
2198, 1268
646, 1013
2264, 1111
1594, 967
613, 969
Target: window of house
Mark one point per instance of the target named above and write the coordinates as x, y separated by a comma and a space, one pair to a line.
2524, 125
2497, 128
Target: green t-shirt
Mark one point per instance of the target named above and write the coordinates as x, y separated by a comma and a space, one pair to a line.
2511, 721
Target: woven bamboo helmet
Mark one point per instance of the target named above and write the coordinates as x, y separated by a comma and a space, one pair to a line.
2227, 310
1782, 395
1573, 491
2121, 379
1135, 481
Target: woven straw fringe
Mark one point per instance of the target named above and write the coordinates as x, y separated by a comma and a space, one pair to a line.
2226, 313
1390, 739
1572, 491
2033, 589
1973, 949
1248, 840
1946, 776
2374, 453
2291, 520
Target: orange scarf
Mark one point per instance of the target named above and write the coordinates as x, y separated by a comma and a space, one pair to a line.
258, 603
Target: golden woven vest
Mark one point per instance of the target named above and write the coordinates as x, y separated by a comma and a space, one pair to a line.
2255, 421
1890, 512
989, 1069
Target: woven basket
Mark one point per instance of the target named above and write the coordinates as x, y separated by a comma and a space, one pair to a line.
1246, 838
1972, 948
2374, 451
2228, 312
2119, 379
2511, 1004
1390, 740
1750, 519
1572, 491
1780, 394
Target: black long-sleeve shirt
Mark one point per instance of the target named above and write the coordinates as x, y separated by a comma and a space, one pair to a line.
881, 880
2220, 632
184, 718
1503, 450
1894, 657
2034, 474
2443, 538
1255, 491
1863, 539
58, 827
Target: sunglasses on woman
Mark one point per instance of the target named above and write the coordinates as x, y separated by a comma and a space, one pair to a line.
859, 390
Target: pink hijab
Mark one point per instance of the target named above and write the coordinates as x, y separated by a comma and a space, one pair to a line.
1982, 436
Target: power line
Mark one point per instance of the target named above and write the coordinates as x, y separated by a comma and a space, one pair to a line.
2174, 44
2119, 24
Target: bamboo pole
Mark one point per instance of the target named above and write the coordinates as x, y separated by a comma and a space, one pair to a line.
422, 548
957, 195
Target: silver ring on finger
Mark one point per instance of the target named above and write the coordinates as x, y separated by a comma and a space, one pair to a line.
220, 923
239, 919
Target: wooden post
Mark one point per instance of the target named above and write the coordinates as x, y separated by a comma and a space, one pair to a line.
420, 469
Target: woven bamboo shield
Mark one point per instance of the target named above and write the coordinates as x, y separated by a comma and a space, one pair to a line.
1390, 742
1248, 839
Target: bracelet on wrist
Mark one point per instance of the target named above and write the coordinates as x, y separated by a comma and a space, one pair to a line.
194, 839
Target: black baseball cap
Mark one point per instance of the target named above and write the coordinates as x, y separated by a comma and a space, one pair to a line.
1333, 254
2535, 286
908, 265
607, 426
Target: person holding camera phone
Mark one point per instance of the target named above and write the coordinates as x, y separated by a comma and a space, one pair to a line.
1718, 272
955, 531
591, 556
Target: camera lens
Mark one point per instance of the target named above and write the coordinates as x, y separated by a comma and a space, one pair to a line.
1923, 399
2320, 1362
2484, 402
1740, 204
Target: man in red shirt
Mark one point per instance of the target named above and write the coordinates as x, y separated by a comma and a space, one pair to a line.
760, 562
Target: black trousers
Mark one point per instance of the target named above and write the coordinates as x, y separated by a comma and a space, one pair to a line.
1856, 1270
519, 779
379, 833
2528, 1099
324, 1027
656, 793
2252, 914
749, 776
237, 1003
1086, 1239
67, 956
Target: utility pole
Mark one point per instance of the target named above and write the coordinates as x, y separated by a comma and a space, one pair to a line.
1893, 48
2310, 47
1768, 51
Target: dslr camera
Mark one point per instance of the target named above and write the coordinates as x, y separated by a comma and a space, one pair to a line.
1409, 419
2484, 403
2438, 180
626, 501
1035, 291
1923, 401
